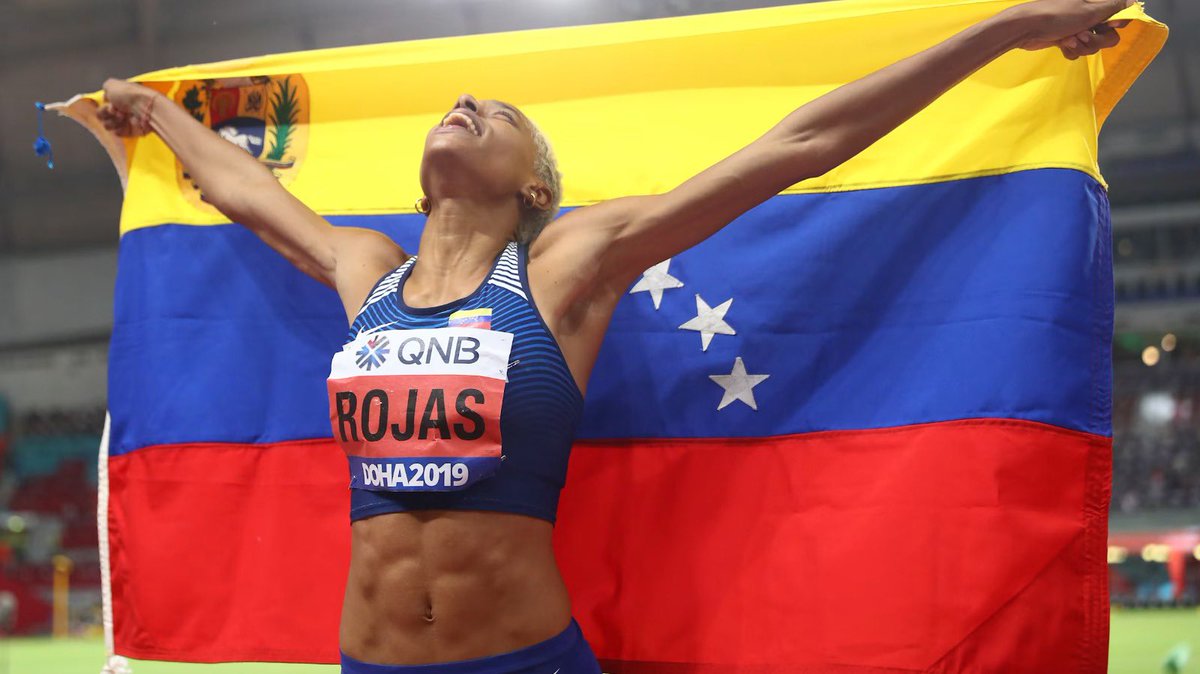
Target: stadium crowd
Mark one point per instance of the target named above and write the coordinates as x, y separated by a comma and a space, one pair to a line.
1156, 438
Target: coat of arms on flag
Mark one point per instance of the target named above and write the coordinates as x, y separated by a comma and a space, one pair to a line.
265, 116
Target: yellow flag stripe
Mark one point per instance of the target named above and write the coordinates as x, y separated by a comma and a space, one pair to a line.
471, 313
637, 108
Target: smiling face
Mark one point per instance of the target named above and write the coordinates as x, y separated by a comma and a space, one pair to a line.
479, 149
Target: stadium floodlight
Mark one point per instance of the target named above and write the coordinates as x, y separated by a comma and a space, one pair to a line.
1168, 342
1151, 356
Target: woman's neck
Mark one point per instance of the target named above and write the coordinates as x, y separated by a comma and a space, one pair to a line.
458, 246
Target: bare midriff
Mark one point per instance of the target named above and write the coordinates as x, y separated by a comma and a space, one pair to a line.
439, 586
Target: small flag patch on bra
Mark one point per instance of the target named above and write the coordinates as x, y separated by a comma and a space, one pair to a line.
472, 318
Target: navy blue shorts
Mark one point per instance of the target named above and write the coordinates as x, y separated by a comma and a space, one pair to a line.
567, 653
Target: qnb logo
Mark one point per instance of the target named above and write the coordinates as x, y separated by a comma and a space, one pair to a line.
373, 353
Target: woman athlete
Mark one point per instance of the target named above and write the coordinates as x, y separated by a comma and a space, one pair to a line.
464, 574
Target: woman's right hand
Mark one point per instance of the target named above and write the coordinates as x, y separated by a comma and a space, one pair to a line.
126, 109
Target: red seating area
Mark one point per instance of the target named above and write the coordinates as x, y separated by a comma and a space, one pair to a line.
67, 491
49, 472
33, 612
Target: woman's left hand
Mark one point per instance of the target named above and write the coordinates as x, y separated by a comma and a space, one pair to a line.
1077, 27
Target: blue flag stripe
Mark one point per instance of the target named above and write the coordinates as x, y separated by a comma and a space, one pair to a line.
988, 297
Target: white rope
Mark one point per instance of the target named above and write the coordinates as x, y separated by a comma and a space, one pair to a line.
114, 664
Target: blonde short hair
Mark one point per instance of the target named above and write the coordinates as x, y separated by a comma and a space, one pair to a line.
545, 167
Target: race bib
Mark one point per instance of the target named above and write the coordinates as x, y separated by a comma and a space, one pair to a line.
419, 410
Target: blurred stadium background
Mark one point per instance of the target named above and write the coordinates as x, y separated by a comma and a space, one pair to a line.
58, 264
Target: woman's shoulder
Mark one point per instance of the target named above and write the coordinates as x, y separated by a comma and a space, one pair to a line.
363, 258
361, 245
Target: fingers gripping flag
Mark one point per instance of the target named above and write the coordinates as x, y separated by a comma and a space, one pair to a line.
864, 428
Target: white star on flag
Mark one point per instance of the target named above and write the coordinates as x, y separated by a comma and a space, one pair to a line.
655, 280
709, 321
738, 385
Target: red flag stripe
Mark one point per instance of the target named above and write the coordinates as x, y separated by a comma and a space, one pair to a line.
809, 537
874, 549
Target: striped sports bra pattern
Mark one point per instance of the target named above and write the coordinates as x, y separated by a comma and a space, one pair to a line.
542, 404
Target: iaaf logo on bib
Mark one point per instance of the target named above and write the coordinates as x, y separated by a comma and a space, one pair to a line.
373, 353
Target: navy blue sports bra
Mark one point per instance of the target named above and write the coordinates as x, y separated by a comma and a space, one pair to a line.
465, 406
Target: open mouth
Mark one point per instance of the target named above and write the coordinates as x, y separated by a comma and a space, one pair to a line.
460, 119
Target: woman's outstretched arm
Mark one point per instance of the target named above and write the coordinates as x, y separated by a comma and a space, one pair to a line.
616, 240
349, 259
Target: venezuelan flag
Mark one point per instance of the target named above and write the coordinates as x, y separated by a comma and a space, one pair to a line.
865, 428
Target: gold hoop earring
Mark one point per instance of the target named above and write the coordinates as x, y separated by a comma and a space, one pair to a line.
531, 201
422, 205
